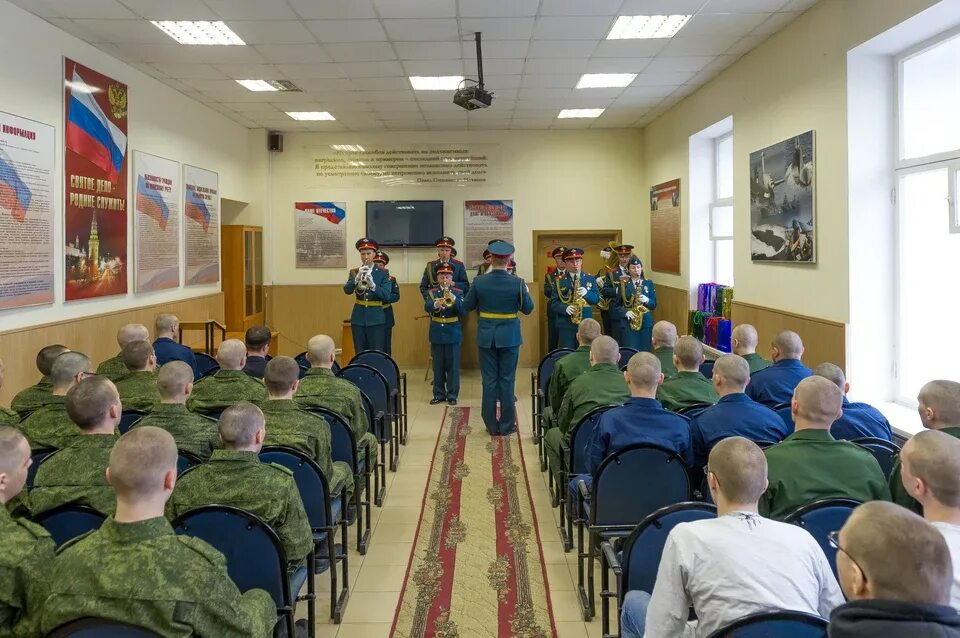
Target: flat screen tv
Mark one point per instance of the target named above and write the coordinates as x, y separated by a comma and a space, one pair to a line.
405, 223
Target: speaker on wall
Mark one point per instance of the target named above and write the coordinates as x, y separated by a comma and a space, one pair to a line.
275, 142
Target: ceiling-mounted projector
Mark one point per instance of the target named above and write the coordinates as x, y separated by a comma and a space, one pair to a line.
474, 97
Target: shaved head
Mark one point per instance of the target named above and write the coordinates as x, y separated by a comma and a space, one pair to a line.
173, 378
746, 339
136, 355
689, 352
132, 332
788, 344
66, 368
47, 356
232, 354
90, 400
817, 402
280, 375
732, 371
832, 372
13, 449
604, 350
239, 425
644, 371
943, 399
664, 335
741, 469
588, 331
934, 458
320, 351
140, 460
165, 324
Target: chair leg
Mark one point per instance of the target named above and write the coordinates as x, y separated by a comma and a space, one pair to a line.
363, 509
605, 595
311, 595
395, 439
580, 556
380, 476
403, 386
338, 599
594, 541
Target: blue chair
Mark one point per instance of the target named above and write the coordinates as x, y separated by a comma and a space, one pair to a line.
636, 568
691, 411
186, 460
573, 461
783, 411
626, 353
326, 509
822, 517
375, 419
206, 365
68, 521
775, 624
128, 418
884, 451
372, 384
36, 458
539, 384
254, 553
656, 477
396, 381
100, 628
335, 368
706, 368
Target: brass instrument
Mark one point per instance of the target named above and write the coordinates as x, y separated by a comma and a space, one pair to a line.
633, 304
448, 298
578, 301
612, 261
364, 278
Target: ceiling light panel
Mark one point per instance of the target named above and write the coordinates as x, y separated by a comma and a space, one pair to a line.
605, 80
579, 113
198, 32
269, 85
436, 83
647, 27
311, 115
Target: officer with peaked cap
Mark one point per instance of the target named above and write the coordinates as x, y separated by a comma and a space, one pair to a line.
372, 288
382, 259
567, 290
549, 285
445, 251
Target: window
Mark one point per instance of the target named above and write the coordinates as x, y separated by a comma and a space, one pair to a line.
721, 210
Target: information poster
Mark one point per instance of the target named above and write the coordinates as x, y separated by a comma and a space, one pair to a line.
483, 221
95, 183
321, 234
156, 222
26, 212
201, 223
665, 227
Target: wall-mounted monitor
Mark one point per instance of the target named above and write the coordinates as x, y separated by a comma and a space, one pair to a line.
405, 223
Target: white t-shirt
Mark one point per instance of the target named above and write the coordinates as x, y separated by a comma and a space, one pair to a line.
951, 533
735, 565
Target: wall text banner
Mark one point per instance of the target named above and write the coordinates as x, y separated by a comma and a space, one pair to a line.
156, 222
665, 227
201, 225
95, 183
483, 221
26, 213
321, 234
354, 166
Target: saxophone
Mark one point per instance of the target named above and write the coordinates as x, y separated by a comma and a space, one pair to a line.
612, 261
578, 301
634, 305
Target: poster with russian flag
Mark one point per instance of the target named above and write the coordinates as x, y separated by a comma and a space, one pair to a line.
483, 221
156, 222
201, 225
26, 212
95, 183
321, 234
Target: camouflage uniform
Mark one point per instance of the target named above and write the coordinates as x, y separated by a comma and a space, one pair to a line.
113, 369
175, 586
76, 474
194, 433
238, 478
50, 426
32, 398
289, 425
223, 389
9, 417
320, 388
25, 566
138, 390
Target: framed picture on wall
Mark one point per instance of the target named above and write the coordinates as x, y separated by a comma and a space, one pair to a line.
783, 199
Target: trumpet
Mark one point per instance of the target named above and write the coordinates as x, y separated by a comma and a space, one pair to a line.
448, 298
364, 278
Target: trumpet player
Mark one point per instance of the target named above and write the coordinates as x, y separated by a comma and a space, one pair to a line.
445, 251
372, 288
381, 260
632, 298
445, 306
573, 294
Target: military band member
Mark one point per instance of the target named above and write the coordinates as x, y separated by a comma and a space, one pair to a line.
632, 298
610, 261
484, 268
373, 289
444, 256
549, 281
382, 259
565, 301
446, 335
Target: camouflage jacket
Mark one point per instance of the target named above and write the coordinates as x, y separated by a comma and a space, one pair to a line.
9, 417
138, 390
320, 388
194, 433
223, 389
25, 566
289, 425
143, 573
32, 398
50, 426
113, 368
76, 474
238, 478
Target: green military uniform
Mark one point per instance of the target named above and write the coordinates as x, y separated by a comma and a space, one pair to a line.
667, 367
899, 492
113, 368
9, 417
685, 389
289, 425
194, 433
76, 474
25, 566
320, 388
138, 390
602, 384
223, 389
174, 586
32, 398
810, 465
756, 362
568, 368
238, 478
50, 426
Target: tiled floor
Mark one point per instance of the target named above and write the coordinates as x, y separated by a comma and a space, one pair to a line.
377, 578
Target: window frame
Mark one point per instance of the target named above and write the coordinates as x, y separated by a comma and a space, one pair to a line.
720, 202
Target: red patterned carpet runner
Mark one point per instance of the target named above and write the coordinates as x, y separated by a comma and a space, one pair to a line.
477, 567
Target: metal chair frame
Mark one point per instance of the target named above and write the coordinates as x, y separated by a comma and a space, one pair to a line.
387, 430
570, 454
539, 384
796, 517
873, 444
398, 393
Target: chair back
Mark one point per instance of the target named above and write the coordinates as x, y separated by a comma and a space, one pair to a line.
254, 553
302, 360
66, 522
706, 368
644, 547
343, 445
128, 418
580, 436
382, 363
311, 483
36, 458
884, 451
100, 628
371, 383
784, 413
377, 424
626, 353
691, 411
335, 368
657, 477
186, 460
206, 364
822, 517
547, 364
775, 624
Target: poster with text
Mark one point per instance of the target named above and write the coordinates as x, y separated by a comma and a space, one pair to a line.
95, 183
156, 222
483, 221
201, 224
665, 227
26, 212
321, 234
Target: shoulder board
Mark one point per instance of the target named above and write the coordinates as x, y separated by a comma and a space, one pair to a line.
455, 260
73, 541
455, 289
281, 468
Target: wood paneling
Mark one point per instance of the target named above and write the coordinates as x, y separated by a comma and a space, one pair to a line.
672, 305
823, 340
94, 336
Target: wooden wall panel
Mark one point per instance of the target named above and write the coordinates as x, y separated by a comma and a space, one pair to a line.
672, 305
95, 336
823, 340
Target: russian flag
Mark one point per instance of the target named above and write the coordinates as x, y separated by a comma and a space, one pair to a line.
149, 202
196, 209
328, 210
14, 194
91, 134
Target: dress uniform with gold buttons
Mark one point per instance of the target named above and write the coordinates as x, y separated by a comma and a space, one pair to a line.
445, 249
565, 304
445, 308
549, 282
372, 289
382, 259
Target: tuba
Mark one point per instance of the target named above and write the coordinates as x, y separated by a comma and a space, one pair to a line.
578, 301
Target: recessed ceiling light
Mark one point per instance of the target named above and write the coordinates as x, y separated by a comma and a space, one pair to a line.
198, 32
269, 85
310, 115
437, 83
605, 80
570, 113
658, 26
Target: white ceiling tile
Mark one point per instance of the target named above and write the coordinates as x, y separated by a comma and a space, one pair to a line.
251, 10
531, 114
502, 85
177, 84
184, 54
580, 7
561, 49
360, 51
720, 63
704, 45
555, 66
678, 64
498, 8
654, 7
798, 5
543, 81
347, 30
190, 71
496, 49
379, 84
776, 22
370, 69
252, 108
416, 8
391, 107
497, 29
546, 95
497, 67
593, 95
301, 71
440, 30
530, 124
332, 9
151, 70
748, 43
602, 122
209, 86
272, 31
388, 96
572, 123
743, 6
448, 111
428, 50
251, 71
662, 79
645, 92
582, 28
92, 9
722, 24
293, 53
629, 48
137, 31
586, 100
70, 26
170, 9
436, 96
433, 67
617, 65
